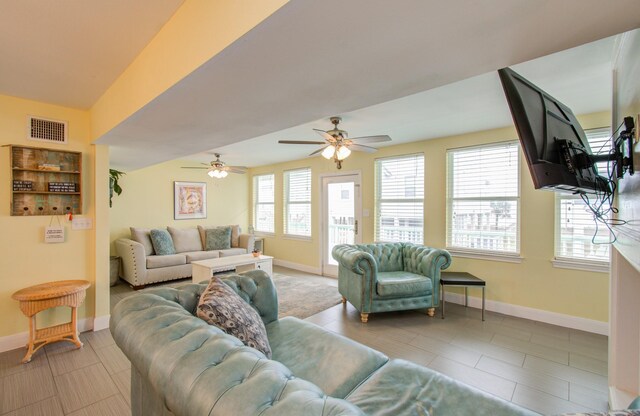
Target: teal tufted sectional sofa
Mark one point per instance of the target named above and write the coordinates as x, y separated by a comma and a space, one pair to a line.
182, 366
386, 277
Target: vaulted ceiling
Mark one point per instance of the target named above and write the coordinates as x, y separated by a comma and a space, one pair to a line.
413, 69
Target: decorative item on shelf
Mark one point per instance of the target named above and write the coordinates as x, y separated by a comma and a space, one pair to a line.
256, 253
22, 185
49, 166
114, 175
62, 187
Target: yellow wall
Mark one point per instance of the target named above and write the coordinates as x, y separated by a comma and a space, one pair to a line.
147, 199
533, 283
26, 260
198, 30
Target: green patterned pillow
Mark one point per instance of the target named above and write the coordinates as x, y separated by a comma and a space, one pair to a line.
162, 242
221, 306
218, 238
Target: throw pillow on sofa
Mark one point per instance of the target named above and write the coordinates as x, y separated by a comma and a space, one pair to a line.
162, 242
221, 306
218, 238
143, 236
185, 239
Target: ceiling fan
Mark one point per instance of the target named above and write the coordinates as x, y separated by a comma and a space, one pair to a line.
218, 169
338, 145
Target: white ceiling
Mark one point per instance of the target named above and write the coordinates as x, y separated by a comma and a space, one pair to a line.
69, 52
579, 77
311, 60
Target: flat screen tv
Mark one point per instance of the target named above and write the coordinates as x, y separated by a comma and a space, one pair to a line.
553, 142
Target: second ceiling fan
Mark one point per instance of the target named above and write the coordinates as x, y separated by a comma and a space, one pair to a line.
338, 145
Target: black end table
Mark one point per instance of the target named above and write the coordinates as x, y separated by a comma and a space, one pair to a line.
463, 279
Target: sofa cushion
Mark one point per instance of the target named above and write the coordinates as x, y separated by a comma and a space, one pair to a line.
162, 242
402, 388
218, 238
156, 261
334, 363
185, 239
394, 284
232, 252
142, 236
221, 306
201, 255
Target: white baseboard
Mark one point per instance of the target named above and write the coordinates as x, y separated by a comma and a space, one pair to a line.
19, 340
297, 266
101, 322
554, 318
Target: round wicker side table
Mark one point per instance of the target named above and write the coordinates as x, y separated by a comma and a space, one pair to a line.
37, 298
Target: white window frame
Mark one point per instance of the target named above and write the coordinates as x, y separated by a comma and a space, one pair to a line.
258, 201
478, 253
288, 203
379, 201
565, 261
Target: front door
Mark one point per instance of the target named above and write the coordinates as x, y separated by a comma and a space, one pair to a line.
341, 216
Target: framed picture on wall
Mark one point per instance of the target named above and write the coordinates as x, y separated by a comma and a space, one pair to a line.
190, 200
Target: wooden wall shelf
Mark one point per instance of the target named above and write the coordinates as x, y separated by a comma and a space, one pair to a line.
45, 181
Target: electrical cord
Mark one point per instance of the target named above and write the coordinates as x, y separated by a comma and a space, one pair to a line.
603, 206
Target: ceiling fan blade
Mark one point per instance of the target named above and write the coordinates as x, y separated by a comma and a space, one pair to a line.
371, 139
236, 169
326, 135
318, 151
362, 148
193, 167
298, 142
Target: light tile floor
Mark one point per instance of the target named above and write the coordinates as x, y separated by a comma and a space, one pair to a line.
546, 368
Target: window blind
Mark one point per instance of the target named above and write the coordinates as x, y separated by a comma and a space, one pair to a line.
575, 226
263, 203
399, 199
297, 203
483, 198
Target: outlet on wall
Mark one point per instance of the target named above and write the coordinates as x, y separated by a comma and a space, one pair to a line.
81, 223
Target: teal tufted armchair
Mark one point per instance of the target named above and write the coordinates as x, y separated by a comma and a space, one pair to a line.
386, 277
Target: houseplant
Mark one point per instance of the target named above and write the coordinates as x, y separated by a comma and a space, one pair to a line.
114, 175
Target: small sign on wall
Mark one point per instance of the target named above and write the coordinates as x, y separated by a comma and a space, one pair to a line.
54, 234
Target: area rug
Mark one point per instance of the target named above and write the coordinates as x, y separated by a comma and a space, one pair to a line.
303, 297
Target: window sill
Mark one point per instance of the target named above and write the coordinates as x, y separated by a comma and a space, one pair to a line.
297, 237
586, 265
483, 255
264, 234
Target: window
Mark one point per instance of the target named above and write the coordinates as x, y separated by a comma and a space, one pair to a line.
483, 199
575, 226
263, 203
399, 209
297, 202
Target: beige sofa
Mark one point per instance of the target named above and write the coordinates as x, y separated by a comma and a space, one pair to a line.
142, 266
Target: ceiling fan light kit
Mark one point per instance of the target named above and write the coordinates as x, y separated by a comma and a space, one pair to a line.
337, 145
215, 173
218, 169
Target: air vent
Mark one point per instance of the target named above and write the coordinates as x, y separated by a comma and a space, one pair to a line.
47, 130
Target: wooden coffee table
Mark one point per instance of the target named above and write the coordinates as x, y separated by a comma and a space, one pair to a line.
37, 298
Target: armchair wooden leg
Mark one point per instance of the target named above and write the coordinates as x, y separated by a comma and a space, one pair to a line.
431, 311
344, 300
364, 317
